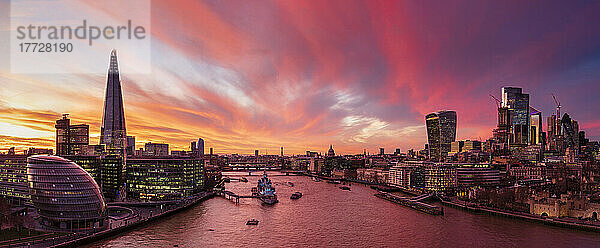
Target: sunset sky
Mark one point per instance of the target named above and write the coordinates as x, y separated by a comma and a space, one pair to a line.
248, 75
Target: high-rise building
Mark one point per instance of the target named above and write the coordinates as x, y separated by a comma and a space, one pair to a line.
256, 153
193, 147
535, 126
570, 129
518, 107
71, 139
130, 145
200, 146
381, 151
112, 134
441, 132
554, 134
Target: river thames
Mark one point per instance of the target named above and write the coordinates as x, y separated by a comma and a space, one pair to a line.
327, 216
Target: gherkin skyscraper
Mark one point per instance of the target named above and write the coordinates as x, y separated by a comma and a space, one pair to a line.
113, 135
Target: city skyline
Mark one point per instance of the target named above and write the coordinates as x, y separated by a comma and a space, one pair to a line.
282, 80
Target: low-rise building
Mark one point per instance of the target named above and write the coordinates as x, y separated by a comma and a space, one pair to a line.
372, 175
344, 173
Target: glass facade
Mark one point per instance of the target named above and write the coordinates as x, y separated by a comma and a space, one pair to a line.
13, 179
164, 179
439, 177
65, 195
112, 133
112, 177
441, 132
518, 108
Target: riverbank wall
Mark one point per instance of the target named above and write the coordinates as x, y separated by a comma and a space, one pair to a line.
134, 224
522, 216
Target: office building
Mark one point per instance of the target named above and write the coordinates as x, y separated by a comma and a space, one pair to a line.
130, 150
441, 132
470, 175
164, 178
471, 145
156, 149
13, 179
200, 146
518, 107
113, 136
456, 147
112, 133
439, 177
570, 129
112, 177
535, 126
71, 139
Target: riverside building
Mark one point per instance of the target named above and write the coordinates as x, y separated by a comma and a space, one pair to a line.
13, 179
164, 178
64, 194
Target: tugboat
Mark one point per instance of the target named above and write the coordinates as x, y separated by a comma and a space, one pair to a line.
266, 190
296, 196
252, 222
290, 184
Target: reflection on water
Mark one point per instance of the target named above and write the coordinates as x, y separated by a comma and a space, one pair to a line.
328, 216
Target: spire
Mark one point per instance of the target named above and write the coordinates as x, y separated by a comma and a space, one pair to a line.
112, 133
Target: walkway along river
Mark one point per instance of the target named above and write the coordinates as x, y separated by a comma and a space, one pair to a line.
328, 216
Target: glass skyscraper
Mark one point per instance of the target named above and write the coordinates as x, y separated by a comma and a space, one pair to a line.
441, 132
518, 108
113, 136
112, 133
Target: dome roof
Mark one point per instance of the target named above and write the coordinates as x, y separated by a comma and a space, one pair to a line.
62, 190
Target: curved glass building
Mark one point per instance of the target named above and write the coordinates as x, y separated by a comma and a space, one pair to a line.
441, 132
65, 195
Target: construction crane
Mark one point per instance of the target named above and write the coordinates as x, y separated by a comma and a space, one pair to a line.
497, 101
558, 106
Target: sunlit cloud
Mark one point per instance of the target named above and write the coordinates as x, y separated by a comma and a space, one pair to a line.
306, 74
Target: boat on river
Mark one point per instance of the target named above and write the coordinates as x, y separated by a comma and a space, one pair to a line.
266, 190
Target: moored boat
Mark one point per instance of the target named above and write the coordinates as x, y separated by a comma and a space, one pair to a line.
266, 190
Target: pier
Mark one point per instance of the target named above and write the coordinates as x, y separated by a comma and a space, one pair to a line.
413, 203
233, 196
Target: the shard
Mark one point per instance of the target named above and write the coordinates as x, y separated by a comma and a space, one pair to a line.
113, 135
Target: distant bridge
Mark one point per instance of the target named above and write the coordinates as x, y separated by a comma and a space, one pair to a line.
250, 167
